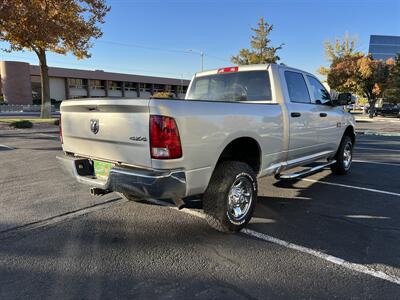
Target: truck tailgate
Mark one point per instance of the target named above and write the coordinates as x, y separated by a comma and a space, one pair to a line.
115, 130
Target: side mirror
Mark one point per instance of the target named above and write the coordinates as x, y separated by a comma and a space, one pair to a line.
343, 99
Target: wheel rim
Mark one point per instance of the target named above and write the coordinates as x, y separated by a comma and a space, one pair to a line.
240, 198
347, 155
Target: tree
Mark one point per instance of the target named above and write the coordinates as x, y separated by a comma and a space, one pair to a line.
163, 95
260, 52
371, 78
353, 71
59, 26
340, 50
392, 93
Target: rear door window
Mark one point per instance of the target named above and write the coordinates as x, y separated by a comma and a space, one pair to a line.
297, 87
239, 86
318, 91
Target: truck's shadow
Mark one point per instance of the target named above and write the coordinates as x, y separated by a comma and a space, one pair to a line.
358, 226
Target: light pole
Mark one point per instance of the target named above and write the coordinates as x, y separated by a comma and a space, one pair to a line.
201, 53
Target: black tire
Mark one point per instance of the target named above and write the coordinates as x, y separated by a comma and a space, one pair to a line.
132, 198
343, 162
228, 177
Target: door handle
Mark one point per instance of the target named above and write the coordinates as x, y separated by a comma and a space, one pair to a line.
295, 114
323, 115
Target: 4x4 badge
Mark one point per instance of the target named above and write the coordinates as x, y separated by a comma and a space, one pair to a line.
138, 138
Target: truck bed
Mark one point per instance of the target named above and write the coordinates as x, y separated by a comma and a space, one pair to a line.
205, 129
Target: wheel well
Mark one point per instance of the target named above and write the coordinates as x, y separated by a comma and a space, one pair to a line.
350, 132
243, 149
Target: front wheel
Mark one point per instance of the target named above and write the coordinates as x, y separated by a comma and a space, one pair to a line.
344, 157
231, 196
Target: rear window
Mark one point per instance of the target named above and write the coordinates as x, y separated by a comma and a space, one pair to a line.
241, 86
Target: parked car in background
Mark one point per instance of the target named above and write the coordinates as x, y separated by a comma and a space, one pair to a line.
235, 125
388, 110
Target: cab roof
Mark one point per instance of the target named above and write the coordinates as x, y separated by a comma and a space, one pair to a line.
244, 68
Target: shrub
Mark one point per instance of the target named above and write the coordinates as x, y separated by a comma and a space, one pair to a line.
22, 124
163, 95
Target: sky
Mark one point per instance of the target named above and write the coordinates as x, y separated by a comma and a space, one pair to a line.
154, 37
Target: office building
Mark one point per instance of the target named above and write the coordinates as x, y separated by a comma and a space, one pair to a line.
384, 46
20, 84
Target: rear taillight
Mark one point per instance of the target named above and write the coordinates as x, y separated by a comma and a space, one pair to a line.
61, 137
165, 142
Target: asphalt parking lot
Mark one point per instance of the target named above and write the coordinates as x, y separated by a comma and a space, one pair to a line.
321, 237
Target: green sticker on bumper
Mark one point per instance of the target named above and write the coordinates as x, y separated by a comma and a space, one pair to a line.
101, 168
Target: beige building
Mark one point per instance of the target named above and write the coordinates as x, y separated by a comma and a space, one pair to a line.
20, 83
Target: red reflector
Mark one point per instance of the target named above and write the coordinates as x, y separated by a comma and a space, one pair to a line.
165, 142
61, 137
228, 69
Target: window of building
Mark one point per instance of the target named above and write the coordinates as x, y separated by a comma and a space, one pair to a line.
297, 87
77, 83
145, 87
36, 90
130, 86
96, 84
319, 93
159, 88
182, 89
114, 85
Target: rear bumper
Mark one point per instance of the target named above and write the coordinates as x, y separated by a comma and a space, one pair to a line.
145, 184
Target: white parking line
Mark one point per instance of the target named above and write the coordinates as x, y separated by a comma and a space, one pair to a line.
376, 163
352, 187
377, 149
333, 259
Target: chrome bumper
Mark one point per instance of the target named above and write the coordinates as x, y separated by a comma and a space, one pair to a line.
146, 184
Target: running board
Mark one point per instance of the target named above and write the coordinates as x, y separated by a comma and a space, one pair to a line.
307, 172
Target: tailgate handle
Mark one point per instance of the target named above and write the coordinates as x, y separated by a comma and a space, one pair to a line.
322, 115
93, 108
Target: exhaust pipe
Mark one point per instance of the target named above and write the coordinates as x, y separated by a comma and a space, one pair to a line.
179, 203
94, 191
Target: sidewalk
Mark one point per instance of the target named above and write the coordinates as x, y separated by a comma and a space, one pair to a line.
377, 125
377, 119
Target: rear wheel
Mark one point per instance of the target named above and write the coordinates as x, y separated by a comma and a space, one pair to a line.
344, 157
231, 196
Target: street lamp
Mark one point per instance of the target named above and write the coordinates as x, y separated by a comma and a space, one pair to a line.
201, 53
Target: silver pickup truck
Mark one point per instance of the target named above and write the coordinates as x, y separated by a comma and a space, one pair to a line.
235, 125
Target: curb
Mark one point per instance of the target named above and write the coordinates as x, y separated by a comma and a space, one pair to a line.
361, 120
368, 132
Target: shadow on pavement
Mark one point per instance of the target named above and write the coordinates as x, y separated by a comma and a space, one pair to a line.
358, 226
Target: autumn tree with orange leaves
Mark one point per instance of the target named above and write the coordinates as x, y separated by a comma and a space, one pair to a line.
392, 92
355, 72
59, 26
